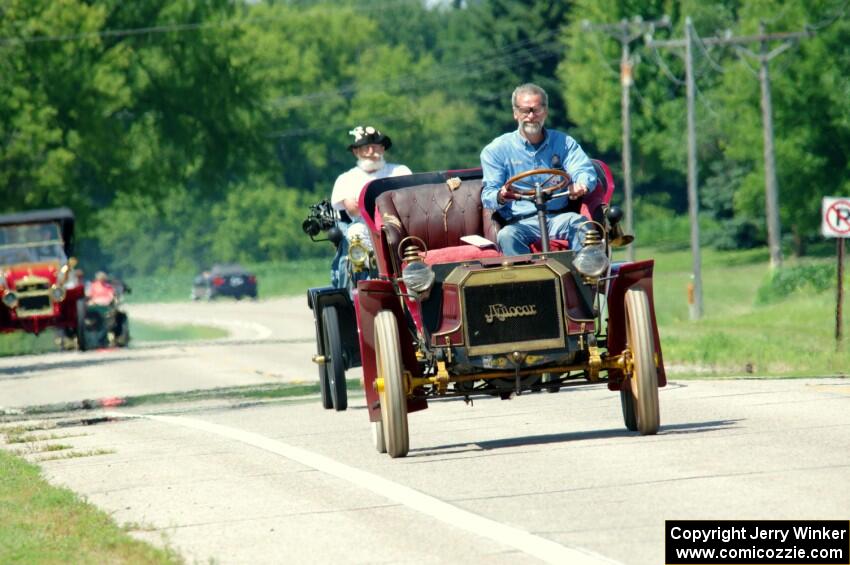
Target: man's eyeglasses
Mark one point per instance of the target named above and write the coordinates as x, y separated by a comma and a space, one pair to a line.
526, 111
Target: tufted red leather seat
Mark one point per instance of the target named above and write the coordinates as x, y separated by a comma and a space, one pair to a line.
440, 216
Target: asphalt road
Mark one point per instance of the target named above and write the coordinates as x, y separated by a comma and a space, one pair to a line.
541, 478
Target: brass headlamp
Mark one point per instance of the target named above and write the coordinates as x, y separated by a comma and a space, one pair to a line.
592, 259
358, 254
418, 277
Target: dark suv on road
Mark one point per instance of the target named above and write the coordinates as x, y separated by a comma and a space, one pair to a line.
224, 280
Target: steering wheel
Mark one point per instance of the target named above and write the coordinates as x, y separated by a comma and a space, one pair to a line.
530, 191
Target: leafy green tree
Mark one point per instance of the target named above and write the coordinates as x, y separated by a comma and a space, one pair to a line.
259, 221
42, 80
492, 46
810, 88
112, 111
143, 234
168, 125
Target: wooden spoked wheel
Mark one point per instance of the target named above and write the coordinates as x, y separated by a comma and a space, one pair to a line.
378, 436
393, 396
643, 382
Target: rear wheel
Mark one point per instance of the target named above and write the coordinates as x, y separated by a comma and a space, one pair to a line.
393, 396
378, 436
334, 362
324, 383
551, 382
643, 383
628, 405
80, 330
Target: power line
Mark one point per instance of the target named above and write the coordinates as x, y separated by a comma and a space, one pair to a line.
626, 32
467, 68
771, 199
829, 20
169, 28
716, 66
664, 68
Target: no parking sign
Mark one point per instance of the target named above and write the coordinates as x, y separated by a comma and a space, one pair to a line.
835, 222
835, 216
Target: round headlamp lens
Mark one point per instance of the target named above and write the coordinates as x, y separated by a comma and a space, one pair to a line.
358, 254
57, 293
418, 277
10, 299
591, 260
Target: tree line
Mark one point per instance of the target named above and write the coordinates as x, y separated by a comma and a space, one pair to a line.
183, 132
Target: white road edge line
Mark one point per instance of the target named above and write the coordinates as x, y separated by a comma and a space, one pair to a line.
546, 550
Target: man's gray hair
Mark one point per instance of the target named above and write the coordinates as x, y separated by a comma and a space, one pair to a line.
529, 88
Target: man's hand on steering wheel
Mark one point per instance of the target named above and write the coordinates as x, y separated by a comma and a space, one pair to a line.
577, 190
512, 190
506, 194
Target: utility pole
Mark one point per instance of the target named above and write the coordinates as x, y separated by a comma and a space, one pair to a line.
693, 173
694, 292
625, 32
771, 189
771, 200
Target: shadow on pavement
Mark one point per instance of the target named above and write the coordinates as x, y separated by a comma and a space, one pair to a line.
671, 429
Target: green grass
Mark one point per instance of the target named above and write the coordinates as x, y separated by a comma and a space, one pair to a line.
247, 392
793, 336
184, 332
22, 343
46, 524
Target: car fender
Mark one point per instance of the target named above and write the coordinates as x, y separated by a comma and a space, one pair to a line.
320, 298
626, 276
373, 296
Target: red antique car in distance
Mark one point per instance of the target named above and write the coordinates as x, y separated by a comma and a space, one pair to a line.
446, 317
38, 286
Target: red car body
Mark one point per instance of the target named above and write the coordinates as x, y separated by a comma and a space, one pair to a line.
38, 287
491, 324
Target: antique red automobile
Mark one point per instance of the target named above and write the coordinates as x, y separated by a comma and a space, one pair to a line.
450, 318
38, 286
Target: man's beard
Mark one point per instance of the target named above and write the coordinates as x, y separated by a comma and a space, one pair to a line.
531, 128
371, 166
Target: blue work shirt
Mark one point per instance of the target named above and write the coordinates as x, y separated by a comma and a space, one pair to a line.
511, 154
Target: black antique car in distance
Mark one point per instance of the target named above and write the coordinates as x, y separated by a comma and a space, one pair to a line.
447, 318
224, 280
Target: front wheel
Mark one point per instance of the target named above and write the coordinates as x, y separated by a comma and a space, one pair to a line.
643, 382
80, 330
122, 337
393, 395
334, 362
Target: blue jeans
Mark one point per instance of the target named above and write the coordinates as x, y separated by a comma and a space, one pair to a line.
516, 238
339, 271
